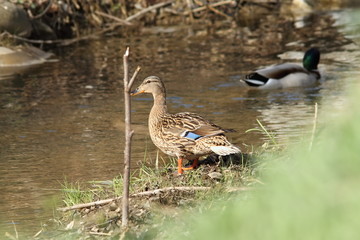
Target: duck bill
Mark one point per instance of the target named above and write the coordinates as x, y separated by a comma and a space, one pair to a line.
136, 92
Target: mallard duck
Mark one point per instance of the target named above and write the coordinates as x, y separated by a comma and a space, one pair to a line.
286, 75
183, 135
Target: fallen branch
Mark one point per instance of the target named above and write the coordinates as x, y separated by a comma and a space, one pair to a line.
100, 233
218, 12
153, 7
90, 204
140, 194
119, 20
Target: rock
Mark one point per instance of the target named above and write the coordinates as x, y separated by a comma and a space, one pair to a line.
14, 19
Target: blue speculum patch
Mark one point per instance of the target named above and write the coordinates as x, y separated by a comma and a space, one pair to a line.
192, 135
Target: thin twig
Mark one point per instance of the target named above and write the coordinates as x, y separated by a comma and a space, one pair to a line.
314, 127
42, 13
131, 82
218, 12
199, 9
16, 232
38, 233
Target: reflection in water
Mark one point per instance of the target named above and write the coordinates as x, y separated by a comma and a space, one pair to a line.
66, 119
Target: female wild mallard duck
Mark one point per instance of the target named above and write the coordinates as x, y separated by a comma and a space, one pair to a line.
183, 135
287, 75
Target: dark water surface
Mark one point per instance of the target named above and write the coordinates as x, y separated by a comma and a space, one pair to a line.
66, 118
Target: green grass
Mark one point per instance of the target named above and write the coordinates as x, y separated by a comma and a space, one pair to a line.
74, 193
270, 135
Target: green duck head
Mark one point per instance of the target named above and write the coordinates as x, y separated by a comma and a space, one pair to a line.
311, 59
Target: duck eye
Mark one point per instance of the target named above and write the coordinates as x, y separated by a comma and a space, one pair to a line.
148, 81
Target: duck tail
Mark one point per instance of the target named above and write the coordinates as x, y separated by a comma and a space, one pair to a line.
225, 150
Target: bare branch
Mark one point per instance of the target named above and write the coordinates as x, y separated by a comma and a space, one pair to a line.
133, 78
127, 52
128, 135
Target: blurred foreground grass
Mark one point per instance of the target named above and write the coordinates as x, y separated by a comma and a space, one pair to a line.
311, 195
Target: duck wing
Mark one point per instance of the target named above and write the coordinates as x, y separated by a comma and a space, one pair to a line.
276, 72
190, 126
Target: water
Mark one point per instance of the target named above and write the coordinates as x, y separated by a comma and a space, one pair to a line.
65, 120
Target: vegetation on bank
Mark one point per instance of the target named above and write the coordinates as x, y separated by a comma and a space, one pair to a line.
157, 196
66, 22
54, 21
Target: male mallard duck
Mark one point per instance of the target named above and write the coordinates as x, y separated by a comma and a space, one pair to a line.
288, 74
183, 135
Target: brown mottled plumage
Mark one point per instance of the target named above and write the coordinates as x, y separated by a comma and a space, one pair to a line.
183, 135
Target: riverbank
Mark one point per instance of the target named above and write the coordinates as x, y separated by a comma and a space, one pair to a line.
65, 23
157, 197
